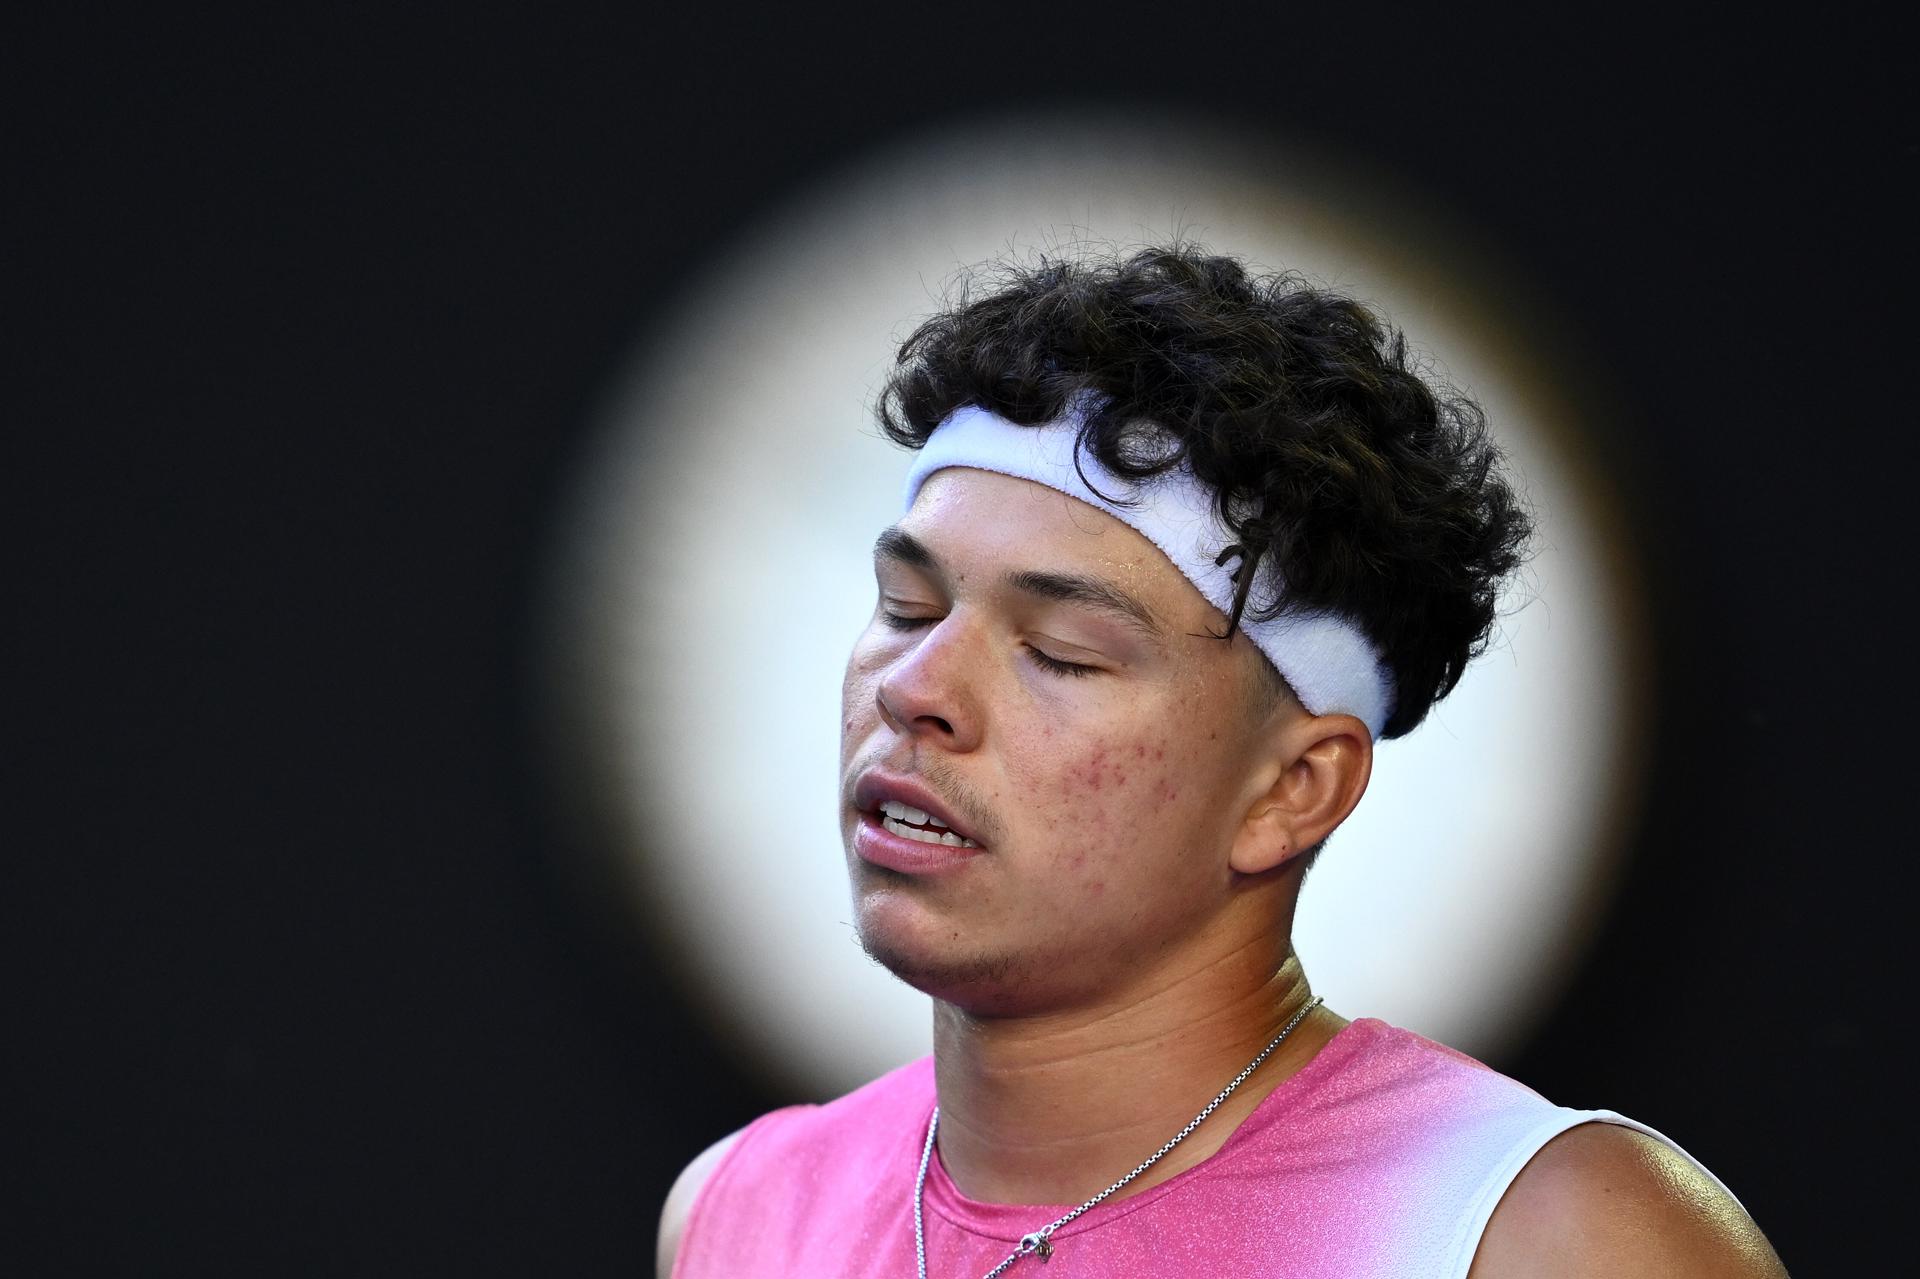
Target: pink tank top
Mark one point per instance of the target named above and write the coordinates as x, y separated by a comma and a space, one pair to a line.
1383, 1156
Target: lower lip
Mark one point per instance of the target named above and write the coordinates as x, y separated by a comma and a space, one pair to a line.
874, 843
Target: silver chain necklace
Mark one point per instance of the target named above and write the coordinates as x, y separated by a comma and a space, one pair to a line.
1038, 1241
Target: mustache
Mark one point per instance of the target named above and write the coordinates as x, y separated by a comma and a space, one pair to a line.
968, 806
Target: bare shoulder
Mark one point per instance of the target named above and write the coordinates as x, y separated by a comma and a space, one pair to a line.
1601, 1199
686, 1188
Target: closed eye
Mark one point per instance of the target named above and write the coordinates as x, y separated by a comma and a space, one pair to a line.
895, 620
1047, 662
904, 621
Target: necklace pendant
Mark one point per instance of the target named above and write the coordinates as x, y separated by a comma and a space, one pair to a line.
1036, 1243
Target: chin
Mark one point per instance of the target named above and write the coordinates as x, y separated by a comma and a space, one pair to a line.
986, 983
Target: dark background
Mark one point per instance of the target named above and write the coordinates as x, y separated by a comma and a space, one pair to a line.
313, 314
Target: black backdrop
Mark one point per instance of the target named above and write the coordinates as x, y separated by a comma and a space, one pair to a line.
313, 313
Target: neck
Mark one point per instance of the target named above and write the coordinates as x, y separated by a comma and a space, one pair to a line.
1053, 1108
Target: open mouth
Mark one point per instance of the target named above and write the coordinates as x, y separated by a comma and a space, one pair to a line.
909, 822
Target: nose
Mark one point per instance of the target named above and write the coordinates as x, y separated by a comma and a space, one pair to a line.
930, 691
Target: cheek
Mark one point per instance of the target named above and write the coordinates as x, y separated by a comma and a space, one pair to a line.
855, 686
1114, 809
858, 688
1124, 775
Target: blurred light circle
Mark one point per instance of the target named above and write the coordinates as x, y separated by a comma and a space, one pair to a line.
717, 568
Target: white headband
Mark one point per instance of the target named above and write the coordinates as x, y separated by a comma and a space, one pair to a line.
1325, 659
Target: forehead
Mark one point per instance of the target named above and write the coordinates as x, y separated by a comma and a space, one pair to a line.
982, 521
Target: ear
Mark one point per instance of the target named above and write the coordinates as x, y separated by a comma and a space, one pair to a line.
1317, 771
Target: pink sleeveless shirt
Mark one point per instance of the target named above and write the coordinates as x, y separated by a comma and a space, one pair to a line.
1383, 1156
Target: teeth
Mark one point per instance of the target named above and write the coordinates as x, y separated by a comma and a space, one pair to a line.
908, 813
893, 823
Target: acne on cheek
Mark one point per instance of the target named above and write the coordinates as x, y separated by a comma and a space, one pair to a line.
1141, 767
1096, 771
1155, 753
1075, 868
1112, 794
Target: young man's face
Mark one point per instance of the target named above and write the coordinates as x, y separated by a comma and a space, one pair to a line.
1040, 679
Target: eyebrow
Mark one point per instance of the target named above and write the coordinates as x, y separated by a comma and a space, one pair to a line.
1088, 592
1066, 588
898, 544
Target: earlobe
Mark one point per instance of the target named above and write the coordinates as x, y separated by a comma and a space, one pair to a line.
1265, 841
1324, 763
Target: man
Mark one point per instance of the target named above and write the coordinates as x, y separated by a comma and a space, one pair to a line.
1180, 546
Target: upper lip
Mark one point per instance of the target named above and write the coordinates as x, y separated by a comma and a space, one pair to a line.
875, 788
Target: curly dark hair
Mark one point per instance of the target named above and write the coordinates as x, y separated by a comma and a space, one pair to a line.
1370, 491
